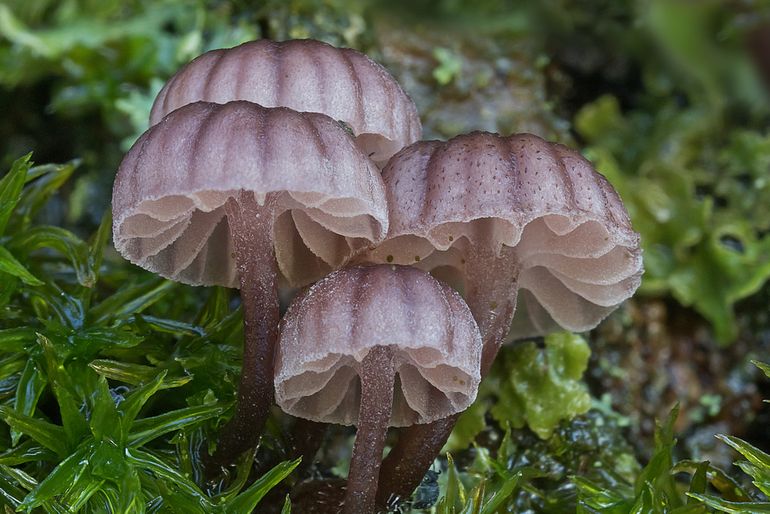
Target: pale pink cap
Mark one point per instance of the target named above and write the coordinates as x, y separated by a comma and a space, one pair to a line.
169, 194
330, 328
540, 204
304, 75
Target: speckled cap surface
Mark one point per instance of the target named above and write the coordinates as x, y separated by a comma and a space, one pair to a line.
170, 190
304, 75
329, 329
539, 204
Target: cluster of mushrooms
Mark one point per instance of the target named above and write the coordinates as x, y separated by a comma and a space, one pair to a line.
274, 166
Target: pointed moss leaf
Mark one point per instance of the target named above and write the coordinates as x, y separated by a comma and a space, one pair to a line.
502, 493
759, 461
52, 304
11, 364
169, 326
49, 179
60, 479
73, 419
134, 374
126, 372
732, 507
8, 286
242, 472
147, 429
63, 241
21, 477
699, 480
49, 435
149, 462
131, 406
764, 367
286, 509
108, 461
105, 421
752, 454
217, 306
28, 451
10, 188
131, 299
15, 340
542, 387
130, 497
10, 492
87, 343
645, 502
9, 264
97, 244
245, 502
454, 492
31, 384
18, 477
761, 475
82, 491
597, 498
658, 470
474, 503
727, 486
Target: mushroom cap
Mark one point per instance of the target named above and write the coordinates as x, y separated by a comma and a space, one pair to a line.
170, 190
540, 204
304, 75
329, 329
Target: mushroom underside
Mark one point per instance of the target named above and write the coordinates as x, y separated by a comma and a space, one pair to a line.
571, 274
329, 389
187, 238
377, 147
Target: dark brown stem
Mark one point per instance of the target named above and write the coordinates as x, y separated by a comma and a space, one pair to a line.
406, 464
377, 378
491, 295
251, 230
306, 438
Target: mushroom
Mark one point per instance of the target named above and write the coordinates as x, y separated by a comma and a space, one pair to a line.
505, 218
304, 75
374, 346
237, 195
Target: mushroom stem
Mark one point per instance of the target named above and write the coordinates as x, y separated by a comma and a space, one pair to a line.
251, 233
377, 381
306, 438
491, 289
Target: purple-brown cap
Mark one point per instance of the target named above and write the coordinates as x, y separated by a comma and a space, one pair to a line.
170, 191
540, 206
330, 328
304, 75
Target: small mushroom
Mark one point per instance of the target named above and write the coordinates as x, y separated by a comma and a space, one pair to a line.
304, 75
505, 219
236, 195
374, 346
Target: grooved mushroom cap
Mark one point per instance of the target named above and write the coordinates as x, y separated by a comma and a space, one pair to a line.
304, 75
169, 194
329, 329
540, 204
